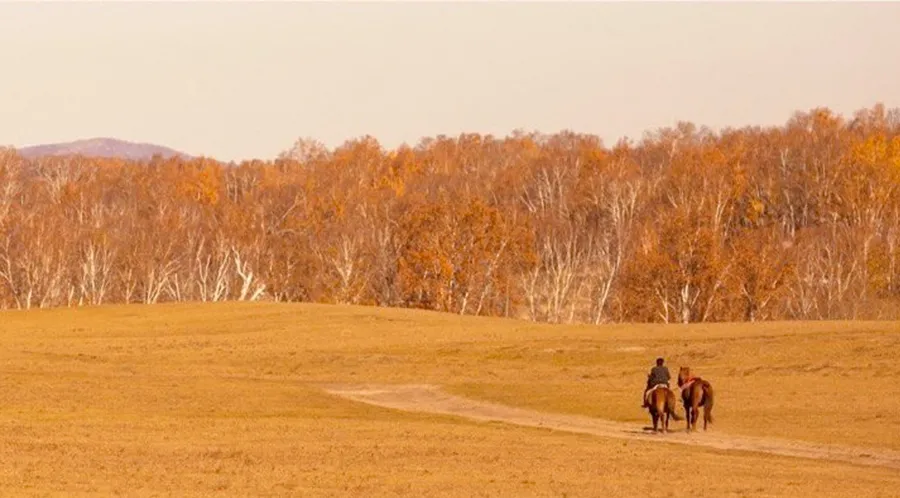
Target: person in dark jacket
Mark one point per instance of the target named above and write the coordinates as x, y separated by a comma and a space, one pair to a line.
658, 375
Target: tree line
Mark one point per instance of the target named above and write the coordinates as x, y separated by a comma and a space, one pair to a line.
800, 221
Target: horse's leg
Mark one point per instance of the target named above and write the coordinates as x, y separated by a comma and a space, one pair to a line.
655, 419
695, 414
695, 407
665, 416
707, 411
689, 412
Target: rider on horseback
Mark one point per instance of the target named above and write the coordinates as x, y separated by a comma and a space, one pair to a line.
658, 375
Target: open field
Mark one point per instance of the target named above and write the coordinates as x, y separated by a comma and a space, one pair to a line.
234, 399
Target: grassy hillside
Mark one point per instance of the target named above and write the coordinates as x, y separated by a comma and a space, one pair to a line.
194, 399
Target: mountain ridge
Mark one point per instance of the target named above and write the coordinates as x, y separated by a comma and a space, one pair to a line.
101, 147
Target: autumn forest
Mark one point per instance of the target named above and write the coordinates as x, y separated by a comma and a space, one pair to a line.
800, 221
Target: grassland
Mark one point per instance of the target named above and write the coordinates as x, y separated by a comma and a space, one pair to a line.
226, 399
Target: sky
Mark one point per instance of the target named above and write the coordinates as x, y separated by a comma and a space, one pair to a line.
244, 80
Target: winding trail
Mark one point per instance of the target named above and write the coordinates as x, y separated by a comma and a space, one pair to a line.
430, 399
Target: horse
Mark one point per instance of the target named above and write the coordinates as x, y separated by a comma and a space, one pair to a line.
661, 407
695, 392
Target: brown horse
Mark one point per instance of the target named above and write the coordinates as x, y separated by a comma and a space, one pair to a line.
695, 392
662, 406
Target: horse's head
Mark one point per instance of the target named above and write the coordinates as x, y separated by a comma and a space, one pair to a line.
684, 373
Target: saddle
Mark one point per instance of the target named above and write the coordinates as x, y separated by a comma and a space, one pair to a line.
688, 383
649, 391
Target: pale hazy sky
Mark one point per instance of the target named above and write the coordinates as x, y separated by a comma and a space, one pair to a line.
242, 80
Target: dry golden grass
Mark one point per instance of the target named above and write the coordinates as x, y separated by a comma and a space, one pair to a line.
224, 399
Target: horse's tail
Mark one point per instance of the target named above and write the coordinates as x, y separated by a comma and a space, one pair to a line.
657, 402
670, 406
674, 414
707, 413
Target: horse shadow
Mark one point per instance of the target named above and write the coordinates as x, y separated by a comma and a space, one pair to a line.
647, 429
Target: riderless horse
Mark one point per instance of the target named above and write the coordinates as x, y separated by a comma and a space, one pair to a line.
695, 392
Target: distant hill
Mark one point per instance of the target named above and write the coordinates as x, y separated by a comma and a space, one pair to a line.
101, 147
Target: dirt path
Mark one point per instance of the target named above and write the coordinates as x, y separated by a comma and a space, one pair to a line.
430, 399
